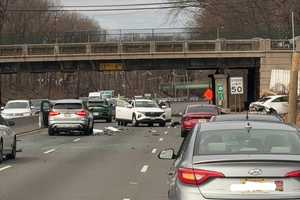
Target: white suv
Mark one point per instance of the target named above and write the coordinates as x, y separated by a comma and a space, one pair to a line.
277, 104
139, 111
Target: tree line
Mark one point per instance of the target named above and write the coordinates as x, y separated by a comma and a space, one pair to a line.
42, 26
246, 18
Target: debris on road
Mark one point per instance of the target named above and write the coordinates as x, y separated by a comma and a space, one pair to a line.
154, 132
113, 129
175, 124
97, 131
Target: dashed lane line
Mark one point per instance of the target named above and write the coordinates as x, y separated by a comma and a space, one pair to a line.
76, 140
5, 167
144, 168
154, 151
49, 151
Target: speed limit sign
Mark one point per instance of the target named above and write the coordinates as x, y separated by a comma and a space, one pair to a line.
236, 85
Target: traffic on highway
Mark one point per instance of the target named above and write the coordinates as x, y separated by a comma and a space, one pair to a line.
147, 148
149, 100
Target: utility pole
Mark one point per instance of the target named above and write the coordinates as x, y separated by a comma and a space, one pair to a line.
293, 85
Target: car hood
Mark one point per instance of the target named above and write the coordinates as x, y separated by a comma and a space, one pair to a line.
15, 110
149, 110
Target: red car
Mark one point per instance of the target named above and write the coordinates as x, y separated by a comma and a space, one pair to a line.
197, 113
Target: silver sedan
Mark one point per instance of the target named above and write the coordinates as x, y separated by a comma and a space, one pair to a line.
8, 140
237, 160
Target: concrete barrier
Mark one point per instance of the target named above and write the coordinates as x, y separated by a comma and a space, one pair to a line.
25, 124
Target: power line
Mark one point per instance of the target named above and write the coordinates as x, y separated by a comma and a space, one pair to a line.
100, 10
123, 5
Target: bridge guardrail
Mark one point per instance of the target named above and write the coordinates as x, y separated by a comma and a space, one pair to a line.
145, 47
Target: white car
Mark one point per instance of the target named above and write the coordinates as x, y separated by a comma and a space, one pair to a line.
8, 140
16, 109
277, 104
140, 111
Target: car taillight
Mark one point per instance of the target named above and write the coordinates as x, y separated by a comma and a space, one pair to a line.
53, 114
82, 113
196, 177
293, 174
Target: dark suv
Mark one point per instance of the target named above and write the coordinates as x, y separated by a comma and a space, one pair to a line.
101, 109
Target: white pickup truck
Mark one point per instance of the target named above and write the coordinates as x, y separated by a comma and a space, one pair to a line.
140, 111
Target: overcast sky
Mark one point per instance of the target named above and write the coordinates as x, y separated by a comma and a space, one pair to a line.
131, 19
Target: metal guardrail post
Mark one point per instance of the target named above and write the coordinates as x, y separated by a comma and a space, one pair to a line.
56, 49
25, 50
152, 47
120, 48
88, 48
267, 45
297, 44
185, 47
218, 45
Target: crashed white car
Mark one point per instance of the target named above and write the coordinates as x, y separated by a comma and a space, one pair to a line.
277, 104
140, 111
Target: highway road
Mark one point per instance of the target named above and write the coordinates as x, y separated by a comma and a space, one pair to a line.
114, 166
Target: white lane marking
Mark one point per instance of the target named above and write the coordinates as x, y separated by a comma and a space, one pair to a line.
154, 151
76, 140
144, 169
166, 132
4, 168
126, 199
161, 139
49, 151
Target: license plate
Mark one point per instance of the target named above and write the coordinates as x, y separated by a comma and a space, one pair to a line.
257, 185
67, 115
202, 120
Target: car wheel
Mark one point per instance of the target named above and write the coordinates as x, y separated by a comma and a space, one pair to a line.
109, 120
50, 131
125, 123
273, 112
134, 121
163, 124
1, 151
13, 151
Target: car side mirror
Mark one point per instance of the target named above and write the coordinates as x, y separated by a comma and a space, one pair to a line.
163, 107
11, 123
129, 106
2, 108
168, 154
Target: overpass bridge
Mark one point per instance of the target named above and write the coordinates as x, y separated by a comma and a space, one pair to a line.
257, 57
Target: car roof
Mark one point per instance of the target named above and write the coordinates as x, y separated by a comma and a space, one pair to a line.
68, 101
12, 101
201, 105
230, 125
243, 117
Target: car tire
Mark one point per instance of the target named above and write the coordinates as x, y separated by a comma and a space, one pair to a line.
109, 120
13, 154
163, 124
183, 134
134, 121
125, 123
51, 132
1, 151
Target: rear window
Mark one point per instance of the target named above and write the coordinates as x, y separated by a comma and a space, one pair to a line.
68, 106
206, 109
243, 142
17, 105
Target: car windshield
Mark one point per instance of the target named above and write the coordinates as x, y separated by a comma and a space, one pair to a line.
146, 104
205, 109
96, 103
16, 105
68, 106
245, 141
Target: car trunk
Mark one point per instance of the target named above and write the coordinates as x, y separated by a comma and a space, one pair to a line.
68, 114
247, 177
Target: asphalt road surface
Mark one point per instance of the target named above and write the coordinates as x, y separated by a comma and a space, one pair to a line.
107, 166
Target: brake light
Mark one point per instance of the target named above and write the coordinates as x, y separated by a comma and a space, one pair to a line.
293, 174
82, 113
196, 177
52, 114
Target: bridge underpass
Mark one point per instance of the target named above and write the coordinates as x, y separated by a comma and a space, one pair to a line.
175, 78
